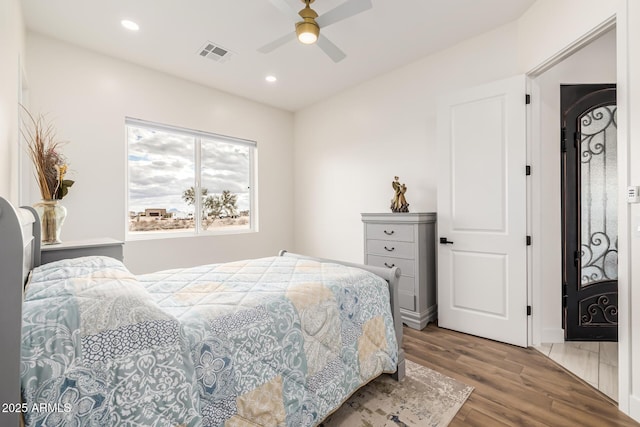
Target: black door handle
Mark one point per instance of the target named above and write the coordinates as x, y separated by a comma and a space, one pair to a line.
444, 241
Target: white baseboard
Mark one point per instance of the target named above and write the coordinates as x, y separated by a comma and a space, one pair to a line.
552, 335
634, 407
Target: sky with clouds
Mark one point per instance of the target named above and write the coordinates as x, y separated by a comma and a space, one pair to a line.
162, 166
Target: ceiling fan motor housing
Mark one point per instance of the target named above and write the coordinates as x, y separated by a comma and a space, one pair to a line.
307, 30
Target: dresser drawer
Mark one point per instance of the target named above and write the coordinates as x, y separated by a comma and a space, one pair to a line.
406, 266
398, 232
391, 248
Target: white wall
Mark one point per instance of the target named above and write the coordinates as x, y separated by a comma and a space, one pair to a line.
595, 63
549, 27
349, 147
88, 96
11, 56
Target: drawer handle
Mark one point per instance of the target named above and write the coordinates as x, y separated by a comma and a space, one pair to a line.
390, 266
389, 233
390, 250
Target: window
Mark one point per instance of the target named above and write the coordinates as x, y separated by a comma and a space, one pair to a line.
169, 166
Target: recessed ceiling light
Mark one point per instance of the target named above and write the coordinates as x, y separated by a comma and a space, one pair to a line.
271, 79
130, 25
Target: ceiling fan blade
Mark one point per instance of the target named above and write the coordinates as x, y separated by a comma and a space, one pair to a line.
344, 11
286, 9
269, 47
330, 49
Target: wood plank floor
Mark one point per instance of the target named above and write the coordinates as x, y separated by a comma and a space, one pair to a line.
513, 386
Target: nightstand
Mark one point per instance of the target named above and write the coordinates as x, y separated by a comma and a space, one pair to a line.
408, 241
74, 249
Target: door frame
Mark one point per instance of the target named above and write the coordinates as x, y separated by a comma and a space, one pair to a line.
534, 196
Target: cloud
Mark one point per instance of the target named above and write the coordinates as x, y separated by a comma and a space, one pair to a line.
162, 166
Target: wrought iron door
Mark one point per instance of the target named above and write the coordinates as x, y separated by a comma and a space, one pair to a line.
589, 212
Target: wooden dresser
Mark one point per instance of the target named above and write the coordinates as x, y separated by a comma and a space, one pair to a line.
406, 240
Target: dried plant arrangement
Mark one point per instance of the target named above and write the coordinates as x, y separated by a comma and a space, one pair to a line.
44, 150
50, 168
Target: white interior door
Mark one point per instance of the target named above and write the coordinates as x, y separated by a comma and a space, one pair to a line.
482, 276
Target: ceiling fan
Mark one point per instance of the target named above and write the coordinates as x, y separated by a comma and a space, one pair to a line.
307, 31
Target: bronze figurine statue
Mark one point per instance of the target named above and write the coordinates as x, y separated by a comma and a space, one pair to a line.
399, 203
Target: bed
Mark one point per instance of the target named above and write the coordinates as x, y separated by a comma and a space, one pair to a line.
280, 340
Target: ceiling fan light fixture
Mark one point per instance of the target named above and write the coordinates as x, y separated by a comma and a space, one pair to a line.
307, 32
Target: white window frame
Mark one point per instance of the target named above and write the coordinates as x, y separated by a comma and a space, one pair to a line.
198, 136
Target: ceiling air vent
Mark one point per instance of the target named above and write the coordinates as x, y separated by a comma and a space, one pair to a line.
216, 52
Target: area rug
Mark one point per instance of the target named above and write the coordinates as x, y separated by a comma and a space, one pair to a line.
424, 398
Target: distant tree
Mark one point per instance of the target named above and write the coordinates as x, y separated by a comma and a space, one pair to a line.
189, 195
213, 206
226, 204
229, 203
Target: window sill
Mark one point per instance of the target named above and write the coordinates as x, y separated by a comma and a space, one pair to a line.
158, 235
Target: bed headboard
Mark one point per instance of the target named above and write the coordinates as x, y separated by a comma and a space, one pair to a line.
19, 253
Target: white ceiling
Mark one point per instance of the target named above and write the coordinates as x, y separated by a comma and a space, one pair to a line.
391, 34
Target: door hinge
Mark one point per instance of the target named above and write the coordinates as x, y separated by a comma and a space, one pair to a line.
528, 240
528, 170
527, 99
565, 295
576, 139
563, 140
528, 310
577, 258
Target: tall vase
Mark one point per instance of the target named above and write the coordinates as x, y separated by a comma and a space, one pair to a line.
52, 215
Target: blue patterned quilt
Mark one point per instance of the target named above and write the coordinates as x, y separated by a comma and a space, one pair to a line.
271, 341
